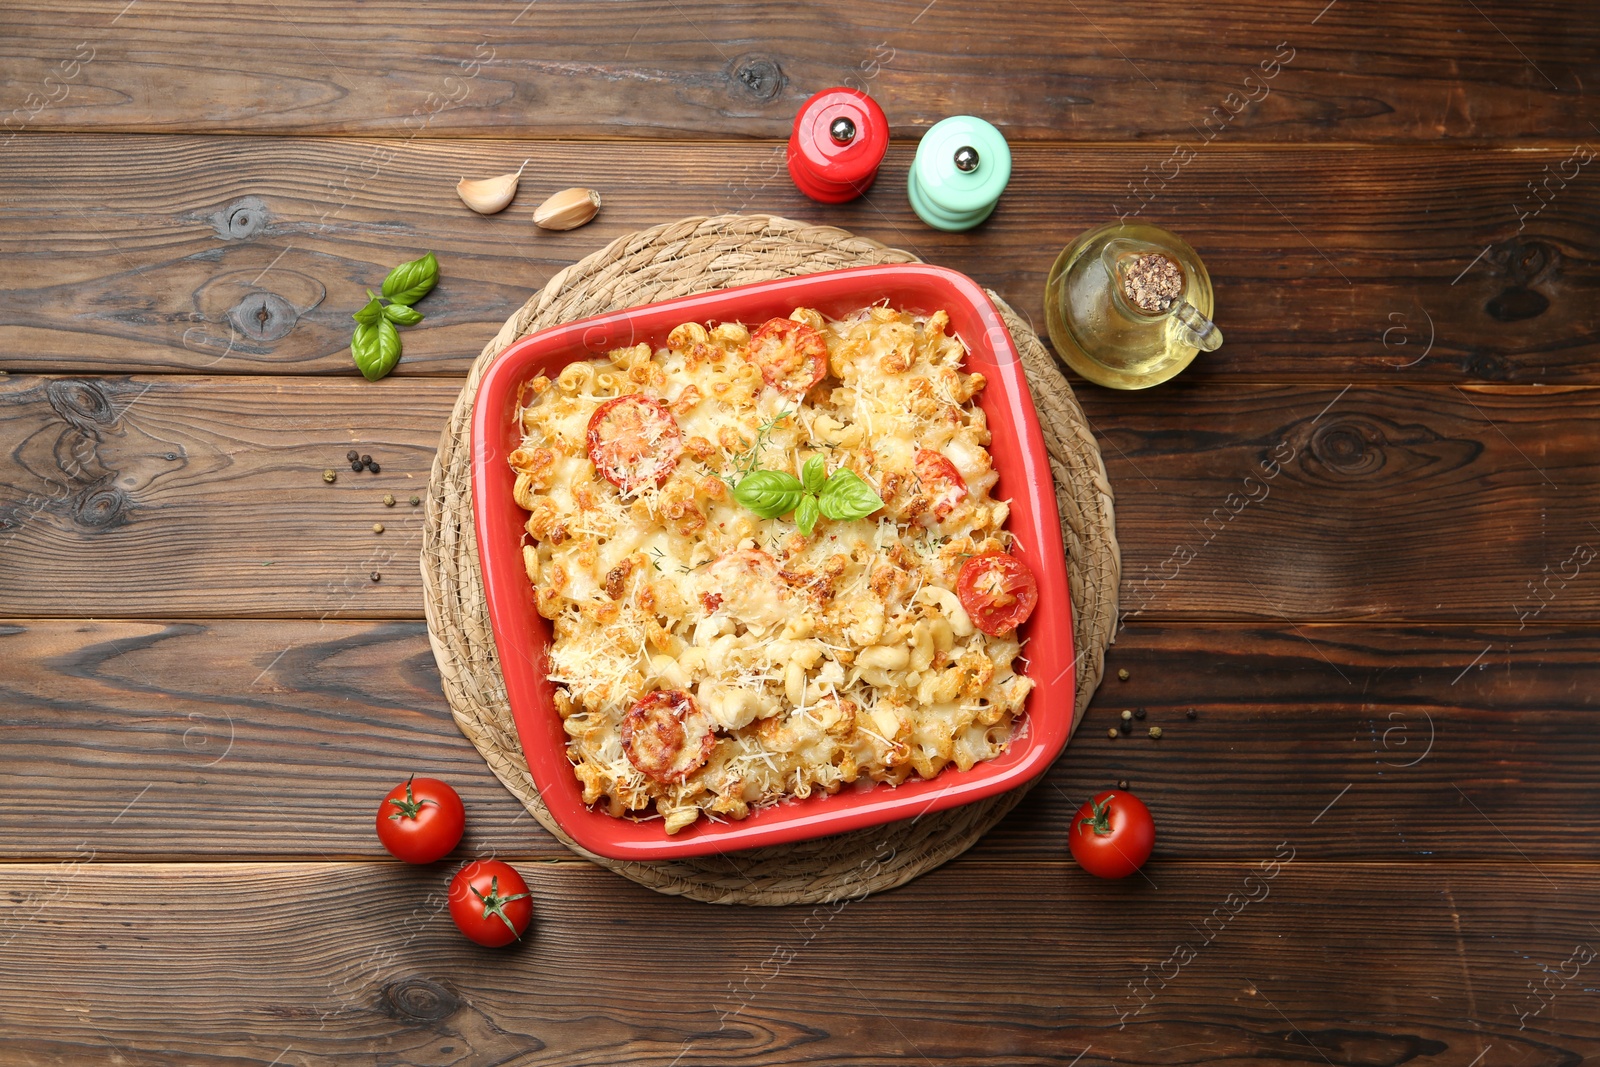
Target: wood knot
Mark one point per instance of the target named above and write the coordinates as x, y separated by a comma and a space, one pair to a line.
243, 218
1488, 367
420, 999
1349, 446
1369, 446
759, 75
82, 403
1516, 304
101, 506
263, 316
1523, 264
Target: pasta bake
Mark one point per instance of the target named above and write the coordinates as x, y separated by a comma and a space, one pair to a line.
772, 563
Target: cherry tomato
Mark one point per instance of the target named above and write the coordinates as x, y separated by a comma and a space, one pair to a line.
421, 820
941, 481
792, 356
998, 591
634, 441
1112, 835
667, 736
490, 902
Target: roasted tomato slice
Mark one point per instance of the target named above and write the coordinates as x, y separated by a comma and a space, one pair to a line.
941, 481
667, 736
792, 356
634, 441
998, 591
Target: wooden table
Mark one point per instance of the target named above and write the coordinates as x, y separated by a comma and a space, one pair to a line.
1378, 836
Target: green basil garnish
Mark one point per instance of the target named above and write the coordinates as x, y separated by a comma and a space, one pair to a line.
806, 514
376, 348
847, 496
843, 495
401, 315
769, 493
371, 313
375, 345
814, 474
410, 282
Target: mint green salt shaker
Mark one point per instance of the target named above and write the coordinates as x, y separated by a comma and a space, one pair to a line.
962, 167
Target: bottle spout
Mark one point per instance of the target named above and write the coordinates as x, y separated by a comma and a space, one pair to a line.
1193, 328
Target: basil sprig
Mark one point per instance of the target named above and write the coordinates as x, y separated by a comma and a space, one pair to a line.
375, 345
844, 495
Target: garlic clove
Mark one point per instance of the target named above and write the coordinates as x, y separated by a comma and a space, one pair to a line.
489, 195
567, 210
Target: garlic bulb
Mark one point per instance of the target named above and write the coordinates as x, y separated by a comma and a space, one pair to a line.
489, 195
567, 210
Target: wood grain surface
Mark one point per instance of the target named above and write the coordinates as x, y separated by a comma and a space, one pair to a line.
1267, 502
247, 255
270, 740
1359, 541
314, 963
1163, 71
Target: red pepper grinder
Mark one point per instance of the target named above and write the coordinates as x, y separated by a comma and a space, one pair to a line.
839, 138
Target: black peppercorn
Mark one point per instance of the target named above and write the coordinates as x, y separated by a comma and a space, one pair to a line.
352, 455
356, 465
1138, 713
373, 467
1189, 714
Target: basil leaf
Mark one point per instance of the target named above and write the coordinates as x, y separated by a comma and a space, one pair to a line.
410, 282
814, 474
846, 496
371, 313
401, 315
376, 348
805, 516
769, 493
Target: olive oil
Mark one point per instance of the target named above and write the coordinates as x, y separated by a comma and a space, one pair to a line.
1098, 326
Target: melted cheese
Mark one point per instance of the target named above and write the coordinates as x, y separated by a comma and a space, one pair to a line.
823, 659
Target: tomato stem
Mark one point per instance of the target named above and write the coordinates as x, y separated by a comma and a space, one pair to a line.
1100, 821
410, 807
495, 904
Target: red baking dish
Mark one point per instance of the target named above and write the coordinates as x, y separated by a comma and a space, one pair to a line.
522, 636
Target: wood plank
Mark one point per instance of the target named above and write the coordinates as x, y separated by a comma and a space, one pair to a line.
1094, 70
203, 497
274, 740
301, 964
1355, 502
1352, 264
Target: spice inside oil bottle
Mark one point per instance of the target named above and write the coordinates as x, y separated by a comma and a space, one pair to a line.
1129, 305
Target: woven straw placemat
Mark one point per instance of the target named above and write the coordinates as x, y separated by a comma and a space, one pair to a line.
689, 256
